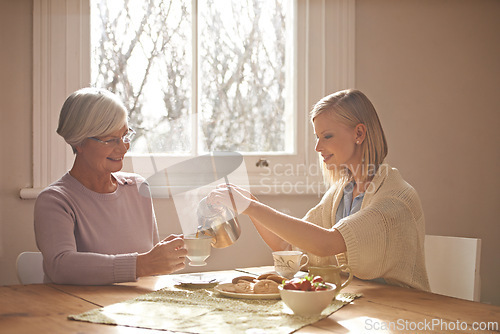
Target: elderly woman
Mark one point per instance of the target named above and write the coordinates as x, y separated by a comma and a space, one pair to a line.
369, 218
96, 225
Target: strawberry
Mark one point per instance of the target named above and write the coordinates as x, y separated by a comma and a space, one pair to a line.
308, 283
296, 283
317, 279
305, 285
293, 284
320, 286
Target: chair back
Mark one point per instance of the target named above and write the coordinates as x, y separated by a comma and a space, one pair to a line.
453, 266
30, 268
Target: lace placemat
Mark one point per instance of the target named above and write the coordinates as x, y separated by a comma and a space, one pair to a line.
191, 310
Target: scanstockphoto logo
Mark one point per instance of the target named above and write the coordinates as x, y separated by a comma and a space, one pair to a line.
203, 173
374, 325
296, 179
302, 179
189, 181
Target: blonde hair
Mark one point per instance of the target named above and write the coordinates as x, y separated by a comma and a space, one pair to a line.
351, 107
90, 112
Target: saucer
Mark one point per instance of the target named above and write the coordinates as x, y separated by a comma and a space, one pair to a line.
195, 280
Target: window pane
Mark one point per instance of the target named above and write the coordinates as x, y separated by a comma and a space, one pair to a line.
141, 50
242, 75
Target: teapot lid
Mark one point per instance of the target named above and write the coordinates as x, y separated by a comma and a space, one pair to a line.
206, 210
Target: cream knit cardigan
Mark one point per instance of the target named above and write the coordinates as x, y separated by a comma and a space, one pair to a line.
385, 238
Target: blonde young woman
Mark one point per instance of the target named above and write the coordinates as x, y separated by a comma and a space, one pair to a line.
96, 225
369, 218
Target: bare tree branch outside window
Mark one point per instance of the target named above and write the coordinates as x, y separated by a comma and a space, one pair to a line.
142, 50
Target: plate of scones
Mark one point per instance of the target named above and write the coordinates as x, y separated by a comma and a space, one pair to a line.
263, 287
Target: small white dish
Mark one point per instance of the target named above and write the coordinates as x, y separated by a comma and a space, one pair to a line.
308, 303
195, 279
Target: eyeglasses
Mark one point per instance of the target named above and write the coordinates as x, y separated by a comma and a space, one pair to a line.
117, 141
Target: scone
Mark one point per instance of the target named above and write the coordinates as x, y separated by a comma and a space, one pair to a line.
277, 278
243, 287
264, 276
243, 278
265, 286
273, 277
229, 288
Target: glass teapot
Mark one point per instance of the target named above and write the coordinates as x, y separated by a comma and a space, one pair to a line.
219, 222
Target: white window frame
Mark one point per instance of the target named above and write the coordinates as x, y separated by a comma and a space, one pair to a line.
325, 63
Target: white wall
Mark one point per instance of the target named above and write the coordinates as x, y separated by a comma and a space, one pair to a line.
431, 68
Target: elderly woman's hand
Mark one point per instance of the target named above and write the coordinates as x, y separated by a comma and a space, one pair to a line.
165, 257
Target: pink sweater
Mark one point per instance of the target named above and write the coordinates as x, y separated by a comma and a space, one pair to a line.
88, 238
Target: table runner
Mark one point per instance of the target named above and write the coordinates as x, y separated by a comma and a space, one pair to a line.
204, 310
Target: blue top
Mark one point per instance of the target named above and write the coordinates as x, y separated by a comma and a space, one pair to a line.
347, 205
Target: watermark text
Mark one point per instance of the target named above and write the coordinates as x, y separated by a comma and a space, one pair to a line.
429, 325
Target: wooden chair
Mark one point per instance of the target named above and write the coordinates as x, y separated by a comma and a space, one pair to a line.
29, 268
453, 266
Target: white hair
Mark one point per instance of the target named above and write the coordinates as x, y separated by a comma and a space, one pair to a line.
90, 112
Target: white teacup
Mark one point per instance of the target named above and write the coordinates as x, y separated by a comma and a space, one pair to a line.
198, 249
288, 263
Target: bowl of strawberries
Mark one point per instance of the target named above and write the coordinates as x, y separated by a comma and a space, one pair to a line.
307, 296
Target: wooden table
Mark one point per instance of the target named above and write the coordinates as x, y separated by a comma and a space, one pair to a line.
43, 308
